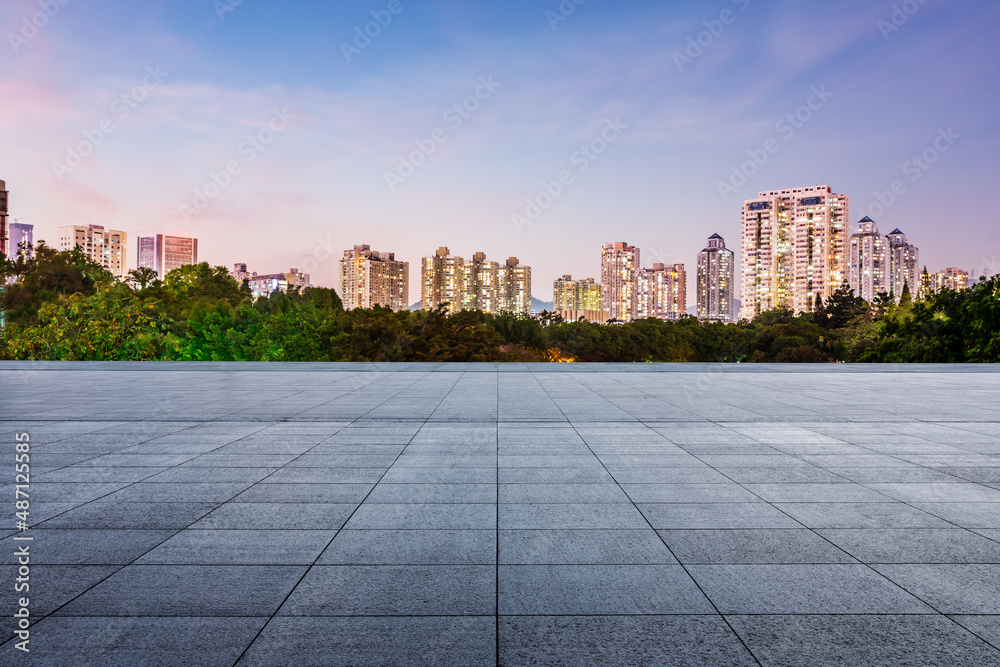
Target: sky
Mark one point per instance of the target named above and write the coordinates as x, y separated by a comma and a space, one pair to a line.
282, 133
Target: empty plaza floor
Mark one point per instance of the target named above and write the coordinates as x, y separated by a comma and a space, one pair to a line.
353, 514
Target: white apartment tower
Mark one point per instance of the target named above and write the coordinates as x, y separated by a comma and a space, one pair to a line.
619, 269
514, 288
662, 292
794, 248
164, 253
904, 265
369, 279
104, 246
869, 264
4, 195
481, 288
442, 281
716, 282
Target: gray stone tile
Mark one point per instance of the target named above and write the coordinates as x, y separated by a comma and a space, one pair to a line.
940, 493
172, 492
423, 516
290, 475
583, 547
562, 493
126, 642
51, 586
885, 641
394, 590
951, 589
434, 494
985, 626
571, 517
130, 516
688, 493
240, 547
188, 590
721, 547
200, 475
621, 640
922, 545
276, 516
305, 493
380, 641
62, 546
802, 589
599, 590
816, 493
400, 475
716, 515
860, 515
412, 547
555, 476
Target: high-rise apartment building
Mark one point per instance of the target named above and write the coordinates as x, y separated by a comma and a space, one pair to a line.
164, 253
4, 196
514, 288
442, 281
240, 272
369, 278
716, 282
904, 265
569, 294
794, 248
268, 283
104, 246
869, 273
21, 234
951, 279
480, 281
662, 292
619, 268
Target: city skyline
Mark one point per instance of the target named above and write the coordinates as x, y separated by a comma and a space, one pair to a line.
645, 126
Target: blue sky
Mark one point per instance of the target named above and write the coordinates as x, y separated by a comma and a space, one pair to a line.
319, 185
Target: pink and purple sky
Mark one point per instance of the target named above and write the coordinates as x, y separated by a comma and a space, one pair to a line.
895, 76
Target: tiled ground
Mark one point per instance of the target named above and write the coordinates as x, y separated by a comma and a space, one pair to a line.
356, 515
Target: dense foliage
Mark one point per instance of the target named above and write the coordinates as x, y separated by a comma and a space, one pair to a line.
60, 305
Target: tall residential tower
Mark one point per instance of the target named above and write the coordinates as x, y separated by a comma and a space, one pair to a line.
904, 265
369, 278
104, 246
869, 264
716, 281
794, 248
619, 269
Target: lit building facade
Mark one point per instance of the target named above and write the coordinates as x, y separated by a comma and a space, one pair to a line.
442, 281
268, 283
662, 292
481, 289
164, 253
904, 265
21, 233
369, 278
240, 272
950, 279
514, 282
869, 273
794, 245
569, 294
619, 270
716, 282
4, 206
104, 246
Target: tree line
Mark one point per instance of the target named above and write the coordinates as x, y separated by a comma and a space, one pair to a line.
60, 305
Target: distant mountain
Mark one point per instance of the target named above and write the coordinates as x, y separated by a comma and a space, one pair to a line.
417, 306
538, 305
